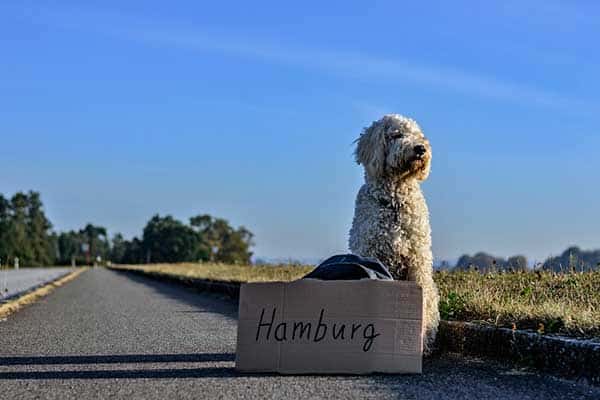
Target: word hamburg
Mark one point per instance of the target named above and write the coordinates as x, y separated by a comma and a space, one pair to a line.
297, 330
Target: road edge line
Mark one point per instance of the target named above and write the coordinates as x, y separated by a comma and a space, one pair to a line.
14, 305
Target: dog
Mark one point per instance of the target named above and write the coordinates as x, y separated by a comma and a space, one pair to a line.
391, 219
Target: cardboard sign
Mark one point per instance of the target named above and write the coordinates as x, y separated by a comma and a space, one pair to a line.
314, 326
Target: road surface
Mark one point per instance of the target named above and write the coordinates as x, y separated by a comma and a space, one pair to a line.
112, 335
14, 282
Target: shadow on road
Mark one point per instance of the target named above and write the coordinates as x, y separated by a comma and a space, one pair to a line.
205, 303
210, 372
116, 359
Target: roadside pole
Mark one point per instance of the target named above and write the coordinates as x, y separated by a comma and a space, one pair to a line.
4, 288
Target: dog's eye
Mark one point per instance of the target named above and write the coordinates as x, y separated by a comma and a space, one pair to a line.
396, 135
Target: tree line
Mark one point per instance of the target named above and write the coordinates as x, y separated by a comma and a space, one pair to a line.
486, 262
572, 259
26, 233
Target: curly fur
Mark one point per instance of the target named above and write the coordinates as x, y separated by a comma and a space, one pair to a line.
391, 219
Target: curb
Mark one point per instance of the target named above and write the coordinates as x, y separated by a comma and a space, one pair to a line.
230, 289
565, 357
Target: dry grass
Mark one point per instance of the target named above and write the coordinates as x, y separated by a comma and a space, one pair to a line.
543, 301
227, 273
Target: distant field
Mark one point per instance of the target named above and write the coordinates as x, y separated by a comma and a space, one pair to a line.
546, 302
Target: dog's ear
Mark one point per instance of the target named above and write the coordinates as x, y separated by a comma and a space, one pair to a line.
370, 149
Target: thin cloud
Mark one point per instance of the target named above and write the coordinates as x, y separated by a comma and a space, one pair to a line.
344, 64
364, 66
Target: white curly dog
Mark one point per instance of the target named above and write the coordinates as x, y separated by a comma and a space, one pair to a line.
391, 219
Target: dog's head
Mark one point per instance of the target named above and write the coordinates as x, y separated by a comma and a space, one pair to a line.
394, 148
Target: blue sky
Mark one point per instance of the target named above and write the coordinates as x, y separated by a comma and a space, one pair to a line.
249, 110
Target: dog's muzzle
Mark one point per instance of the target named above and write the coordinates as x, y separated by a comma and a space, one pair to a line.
420, 151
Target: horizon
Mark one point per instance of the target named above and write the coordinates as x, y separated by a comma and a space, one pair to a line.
259, 259
117, 113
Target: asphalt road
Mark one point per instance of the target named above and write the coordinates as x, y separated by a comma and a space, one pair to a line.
111, 335
13, 282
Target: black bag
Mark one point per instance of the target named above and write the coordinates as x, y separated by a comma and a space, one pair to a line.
349, 267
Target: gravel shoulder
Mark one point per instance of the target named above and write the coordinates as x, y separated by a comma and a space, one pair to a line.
14, 282
111, 334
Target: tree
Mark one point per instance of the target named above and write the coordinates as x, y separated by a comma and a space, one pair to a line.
5, 249
118, 248
18, 240
166, 239
517, 263
134, 252
38, 232
236, 247
574, 259
486, 262
96, 241
221, 242
25, 230
207, 239
69, 248
481, 260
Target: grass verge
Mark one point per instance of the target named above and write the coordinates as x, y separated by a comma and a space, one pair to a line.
225, 273
15, 305
542, 301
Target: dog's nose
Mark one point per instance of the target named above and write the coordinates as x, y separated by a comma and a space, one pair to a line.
420, 150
